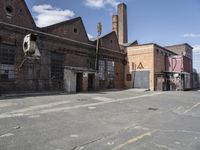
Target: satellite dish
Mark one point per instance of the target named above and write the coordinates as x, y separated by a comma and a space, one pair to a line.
30, 46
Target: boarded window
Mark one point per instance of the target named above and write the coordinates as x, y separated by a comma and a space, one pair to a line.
7, 62
111, 70
128, 77
57, 69
101, 70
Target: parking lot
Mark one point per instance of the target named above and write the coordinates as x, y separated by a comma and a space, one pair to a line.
106, 120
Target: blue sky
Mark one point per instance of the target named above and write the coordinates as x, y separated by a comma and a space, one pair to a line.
165, 22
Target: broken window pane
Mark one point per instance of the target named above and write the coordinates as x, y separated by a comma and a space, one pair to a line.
57, 69
7, 62
111, 71
101, 70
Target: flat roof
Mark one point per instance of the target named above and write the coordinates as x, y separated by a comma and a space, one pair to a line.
155, 45
180, 45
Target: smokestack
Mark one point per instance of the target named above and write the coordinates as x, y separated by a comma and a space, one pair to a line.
115, 24
122, 23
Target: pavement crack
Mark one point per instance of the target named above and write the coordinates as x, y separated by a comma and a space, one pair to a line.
85, 144
11, 130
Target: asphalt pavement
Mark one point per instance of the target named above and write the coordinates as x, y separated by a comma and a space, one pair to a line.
106, 120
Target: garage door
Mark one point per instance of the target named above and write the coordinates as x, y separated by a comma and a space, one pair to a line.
141, 79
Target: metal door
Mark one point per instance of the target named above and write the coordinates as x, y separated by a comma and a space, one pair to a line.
79, 78
90, 82
141, 79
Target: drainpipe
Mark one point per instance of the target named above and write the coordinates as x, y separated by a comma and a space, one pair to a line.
99, 29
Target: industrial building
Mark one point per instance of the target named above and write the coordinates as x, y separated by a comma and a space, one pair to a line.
150, 66
67, 57
69, 61
153, 67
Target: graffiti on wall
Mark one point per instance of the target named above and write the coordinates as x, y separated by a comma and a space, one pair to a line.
138, 66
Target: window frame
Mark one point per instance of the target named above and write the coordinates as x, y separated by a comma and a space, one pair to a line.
7, 62
101, 70
57, 66
111, 70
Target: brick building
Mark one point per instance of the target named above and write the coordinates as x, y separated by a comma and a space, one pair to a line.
67, 59
72, 62
150, 66
147, 64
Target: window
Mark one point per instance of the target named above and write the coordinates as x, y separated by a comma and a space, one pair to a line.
7, 61
75, 30
111, 70
101, 70
57, 70
9, 10
157, 51
128, 77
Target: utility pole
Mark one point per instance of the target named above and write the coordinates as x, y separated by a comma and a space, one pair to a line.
99, 30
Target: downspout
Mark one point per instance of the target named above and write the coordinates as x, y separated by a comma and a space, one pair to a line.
99, 30
97, 53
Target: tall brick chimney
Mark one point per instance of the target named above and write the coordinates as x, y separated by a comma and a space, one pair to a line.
122, 23
115, 24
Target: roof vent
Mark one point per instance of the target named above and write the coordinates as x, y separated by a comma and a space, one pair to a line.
9, 10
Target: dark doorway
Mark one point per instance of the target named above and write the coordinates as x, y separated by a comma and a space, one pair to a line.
90, 82
168, 82
79, 78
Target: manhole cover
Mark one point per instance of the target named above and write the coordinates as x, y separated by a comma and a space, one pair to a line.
154, 109
82, 100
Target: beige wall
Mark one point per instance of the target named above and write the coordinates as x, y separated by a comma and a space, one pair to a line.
137, 55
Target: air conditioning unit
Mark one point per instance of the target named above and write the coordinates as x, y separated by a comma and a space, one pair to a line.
30, 46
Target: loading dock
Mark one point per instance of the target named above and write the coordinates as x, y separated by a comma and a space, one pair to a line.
141, 79
77, 79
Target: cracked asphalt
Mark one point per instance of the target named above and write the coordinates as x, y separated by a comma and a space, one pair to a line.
107, 120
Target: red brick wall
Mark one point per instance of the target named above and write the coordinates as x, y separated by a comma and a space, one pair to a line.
67, 29
20, 14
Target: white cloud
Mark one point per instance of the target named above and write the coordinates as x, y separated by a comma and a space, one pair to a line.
47, 15
100, 3
191, 35
196, 49
90, 36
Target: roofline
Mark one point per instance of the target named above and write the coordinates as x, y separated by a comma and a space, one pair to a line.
29, 13
180, 45
130, 44
154, 44
59, 23
100, 37
56, 36
165, 49
65, 22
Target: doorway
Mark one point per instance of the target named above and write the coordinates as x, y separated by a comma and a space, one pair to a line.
79, 78
141, 79
90, 82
